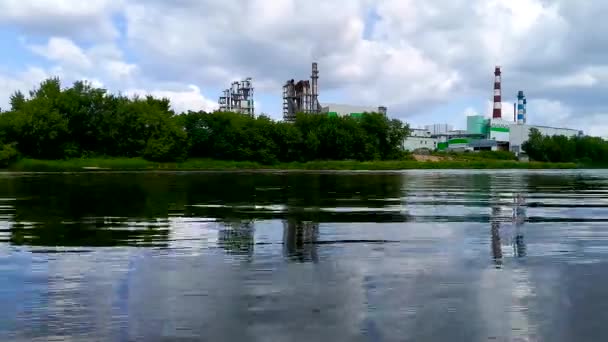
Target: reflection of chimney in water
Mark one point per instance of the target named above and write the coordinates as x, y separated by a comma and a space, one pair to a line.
520, 246
519, 218
495, 230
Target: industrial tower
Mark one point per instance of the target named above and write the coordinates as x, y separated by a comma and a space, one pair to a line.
301, 97
238, 98
521, 107
497, 113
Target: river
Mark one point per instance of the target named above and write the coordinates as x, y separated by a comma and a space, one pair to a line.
394, 256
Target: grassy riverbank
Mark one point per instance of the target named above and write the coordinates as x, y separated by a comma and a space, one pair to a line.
35, 165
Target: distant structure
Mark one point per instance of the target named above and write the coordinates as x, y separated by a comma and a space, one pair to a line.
301, 96
486, 134
355, 111
497, 113
525, 109
238, 98
521, 108
436, 129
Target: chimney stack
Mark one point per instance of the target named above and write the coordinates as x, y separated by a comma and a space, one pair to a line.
497, 113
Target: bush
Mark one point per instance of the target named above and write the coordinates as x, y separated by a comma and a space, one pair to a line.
8, 154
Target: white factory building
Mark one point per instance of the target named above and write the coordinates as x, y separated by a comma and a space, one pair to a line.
518, 134
481, 134
420, 138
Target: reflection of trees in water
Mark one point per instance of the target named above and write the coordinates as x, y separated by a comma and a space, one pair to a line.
237, 237
299, 240
113, 209
516, 238
92, 232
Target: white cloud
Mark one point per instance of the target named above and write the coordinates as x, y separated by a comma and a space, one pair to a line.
85, 19
469, 111
64, 51
415, 56
181, 100
23, 81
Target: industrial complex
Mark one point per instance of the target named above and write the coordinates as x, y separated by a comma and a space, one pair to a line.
298, 97
483, 133
238, 98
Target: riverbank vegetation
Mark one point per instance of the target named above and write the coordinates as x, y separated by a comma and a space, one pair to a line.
588, 151
81, 121
84, 127
133, 164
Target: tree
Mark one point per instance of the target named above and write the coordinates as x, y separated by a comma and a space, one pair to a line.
82, 120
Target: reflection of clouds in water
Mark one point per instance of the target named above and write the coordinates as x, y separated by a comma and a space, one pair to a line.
420, 280
78, 298
195, 232
505, 300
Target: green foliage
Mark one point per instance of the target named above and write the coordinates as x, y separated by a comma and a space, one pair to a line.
209, 164
82, 121
230, 136
8, 154
481, 155
585, 150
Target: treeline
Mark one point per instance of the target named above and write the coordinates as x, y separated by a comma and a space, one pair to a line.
83, 121
583, 150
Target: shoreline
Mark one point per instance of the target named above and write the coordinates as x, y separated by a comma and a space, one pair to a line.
138, 164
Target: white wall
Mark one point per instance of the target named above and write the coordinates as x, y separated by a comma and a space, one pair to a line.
412, 143
519, 134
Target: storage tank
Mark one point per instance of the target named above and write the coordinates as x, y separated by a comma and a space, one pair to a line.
477, 124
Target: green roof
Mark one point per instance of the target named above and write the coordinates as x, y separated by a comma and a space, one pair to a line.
458, 141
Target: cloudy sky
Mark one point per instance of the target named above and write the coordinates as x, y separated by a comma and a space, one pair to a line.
428, 61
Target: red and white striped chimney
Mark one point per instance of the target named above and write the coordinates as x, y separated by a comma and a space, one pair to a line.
497, 113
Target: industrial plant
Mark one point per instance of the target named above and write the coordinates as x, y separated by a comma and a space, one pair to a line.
238, 98
483, 133
301, 96
494, 133
298, 97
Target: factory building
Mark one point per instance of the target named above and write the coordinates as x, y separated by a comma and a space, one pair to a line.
518, 134
439, 128
238, 98
493, 133
301, 96
333, 109
420, 139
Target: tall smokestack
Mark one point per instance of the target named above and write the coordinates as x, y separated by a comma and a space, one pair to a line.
514, 111
497, 113
315, 88
525, 109
520, 107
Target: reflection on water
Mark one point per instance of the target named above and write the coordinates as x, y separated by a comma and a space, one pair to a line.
299, 240
509, 233
304, 256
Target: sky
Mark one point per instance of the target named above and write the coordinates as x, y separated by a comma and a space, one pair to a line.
427, 61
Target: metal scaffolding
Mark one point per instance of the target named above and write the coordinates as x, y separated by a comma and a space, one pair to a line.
301, 96
238, 98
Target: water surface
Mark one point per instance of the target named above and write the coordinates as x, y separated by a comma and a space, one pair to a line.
403, 256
